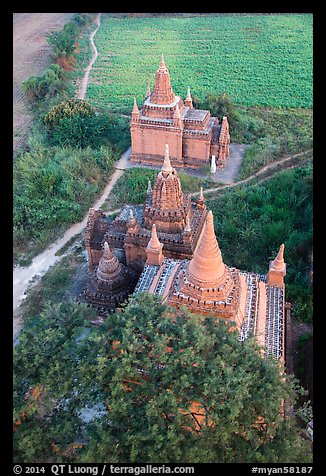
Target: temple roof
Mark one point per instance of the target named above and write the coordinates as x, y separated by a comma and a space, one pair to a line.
109, 267
196, 114
162, 92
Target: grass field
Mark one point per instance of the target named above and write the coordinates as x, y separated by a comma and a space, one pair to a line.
259, 60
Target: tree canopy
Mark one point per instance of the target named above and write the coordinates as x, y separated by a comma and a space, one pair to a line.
171, 386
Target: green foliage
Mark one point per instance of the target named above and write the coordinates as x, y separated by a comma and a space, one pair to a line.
83, 19
252, 221
63, 41
75, 366
75, 123
258, 60
219, 105
54, 186
271, 134
68, 109
51, 84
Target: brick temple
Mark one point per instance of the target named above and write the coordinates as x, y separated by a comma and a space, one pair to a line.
179, 222
253, 303
167, 246
193, 135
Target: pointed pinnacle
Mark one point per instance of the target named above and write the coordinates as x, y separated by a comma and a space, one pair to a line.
107, 253
135, 108
177, 112
154, 242
167, 167
188, 95
162, 64
149, 187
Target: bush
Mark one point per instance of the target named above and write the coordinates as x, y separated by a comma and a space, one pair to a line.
51, 84
54, 186
75, 123
62, 42
83, 19
68, 109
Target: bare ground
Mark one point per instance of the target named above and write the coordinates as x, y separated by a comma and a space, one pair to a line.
31, 54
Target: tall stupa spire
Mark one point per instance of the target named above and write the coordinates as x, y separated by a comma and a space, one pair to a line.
162, 64
207, 263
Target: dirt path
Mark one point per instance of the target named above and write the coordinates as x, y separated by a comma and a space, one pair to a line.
31, 54
265, 172
22, 276
84, 83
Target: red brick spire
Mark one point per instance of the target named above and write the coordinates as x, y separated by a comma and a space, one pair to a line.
154, 249
277, 269
162, 92
177, 116
188, 100
135, 111
278, 263
207, 263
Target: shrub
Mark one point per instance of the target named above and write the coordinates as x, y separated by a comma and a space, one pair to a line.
63, 44
51, 84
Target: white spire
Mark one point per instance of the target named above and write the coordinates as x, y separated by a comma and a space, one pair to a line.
167, 167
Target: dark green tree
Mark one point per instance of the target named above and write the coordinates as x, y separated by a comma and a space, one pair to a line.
172, 387
182, 389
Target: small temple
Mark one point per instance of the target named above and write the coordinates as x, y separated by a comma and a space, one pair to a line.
193, 134
110, 284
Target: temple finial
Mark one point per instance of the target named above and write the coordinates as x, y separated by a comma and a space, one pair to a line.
278, 263
201, 195
148, 91
149, 187
188, 100
162, 64
154, 249
277, 269
135, 109
167, 167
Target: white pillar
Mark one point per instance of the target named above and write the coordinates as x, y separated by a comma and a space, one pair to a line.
213, 165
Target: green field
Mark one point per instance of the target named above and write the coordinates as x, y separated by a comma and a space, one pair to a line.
259, 60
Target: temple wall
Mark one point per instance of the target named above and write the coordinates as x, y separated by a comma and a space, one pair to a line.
147, 140
196, 151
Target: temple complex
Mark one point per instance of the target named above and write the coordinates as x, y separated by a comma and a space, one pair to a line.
192, 134
252, 302
178, 223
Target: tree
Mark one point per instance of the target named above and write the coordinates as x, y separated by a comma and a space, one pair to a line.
62, 42
179, 388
